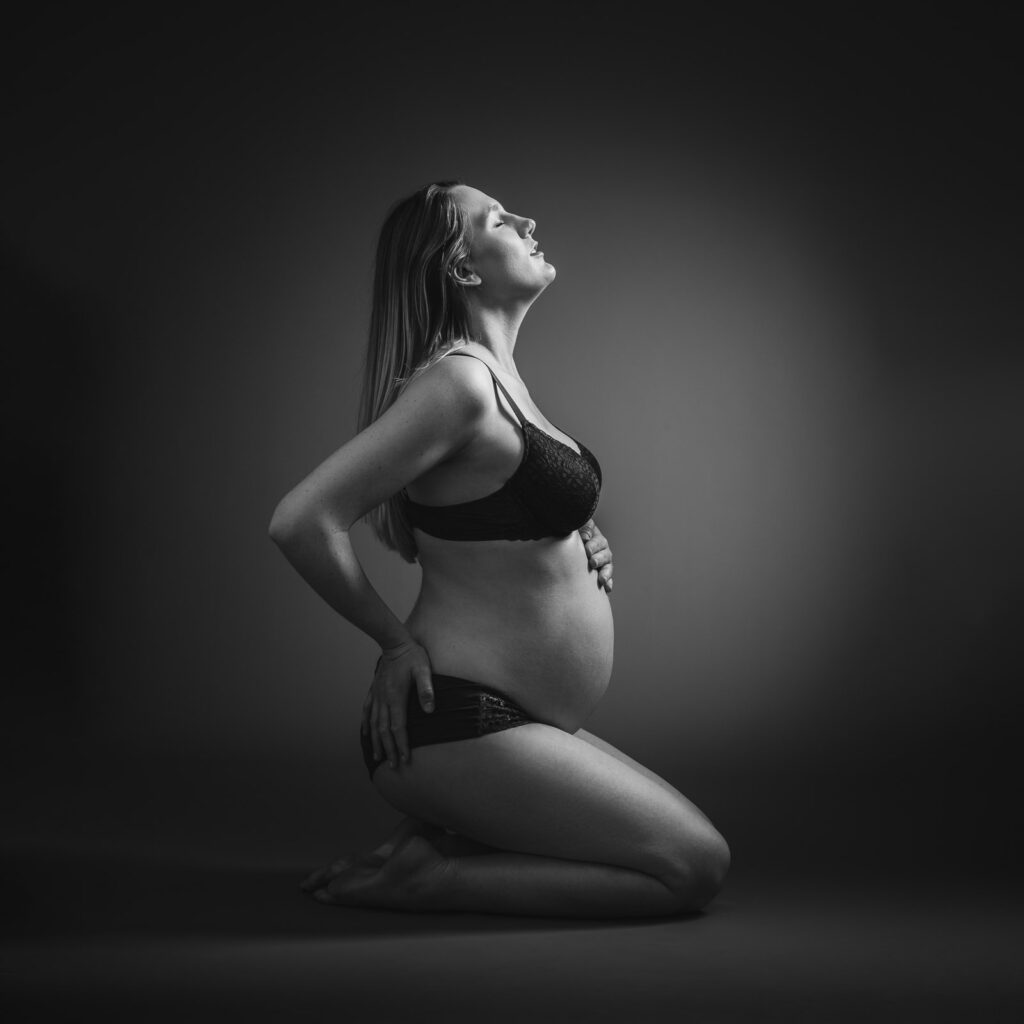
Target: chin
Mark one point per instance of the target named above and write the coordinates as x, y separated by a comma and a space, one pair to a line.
549, 276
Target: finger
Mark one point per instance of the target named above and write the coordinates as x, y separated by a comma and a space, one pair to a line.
364, 723
596, 543
426, 689
376, 725
587, 529
605, 575
383, 733
390, 752
374, 741
398, 730
601, 558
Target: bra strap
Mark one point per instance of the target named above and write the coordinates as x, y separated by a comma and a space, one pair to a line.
511, 401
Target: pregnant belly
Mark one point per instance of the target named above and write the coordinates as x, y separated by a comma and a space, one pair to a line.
544, 638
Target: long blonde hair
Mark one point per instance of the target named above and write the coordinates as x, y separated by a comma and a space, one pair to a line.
419, 312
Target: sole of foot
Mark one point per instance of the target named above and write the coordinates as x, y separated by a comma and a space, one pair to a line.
406, 829
411, 879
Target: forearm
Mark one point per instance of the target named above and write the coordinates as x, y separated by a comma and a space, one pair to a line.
324, 557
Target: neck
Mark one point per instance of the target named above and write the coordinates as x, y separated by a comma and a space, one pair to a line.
496, 329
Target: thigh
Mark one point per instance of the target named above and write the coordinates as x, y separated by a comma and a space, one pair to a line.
539, 790
604, 745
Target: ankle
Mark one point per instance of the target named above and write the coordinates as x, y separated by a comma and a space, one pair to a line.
420, 876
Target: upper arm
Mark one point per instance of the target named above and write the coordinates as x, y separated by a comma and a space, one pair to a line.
433, 418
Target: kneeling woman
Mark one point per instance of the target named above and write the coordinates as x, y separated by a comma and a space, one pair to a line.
472, 724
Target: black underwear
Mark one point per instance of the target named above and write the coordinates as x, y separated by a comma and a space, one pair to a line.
462, 709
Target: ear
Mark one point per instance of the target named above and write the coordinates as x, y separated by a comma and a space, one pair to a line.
464, 274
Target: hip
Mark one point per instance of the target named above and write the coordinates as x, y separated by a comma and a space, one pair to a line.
464, 709
552, 655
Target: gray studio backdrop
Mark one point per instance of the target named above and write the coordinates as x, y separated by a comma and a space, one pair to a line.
779, 322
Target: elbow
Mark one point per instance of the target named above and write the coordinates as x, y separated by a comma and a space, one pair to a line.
294, 524
284, 523
276, 532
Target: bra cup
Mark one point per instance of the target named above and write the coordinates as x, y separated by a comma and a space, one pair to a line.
554, 492
559, 488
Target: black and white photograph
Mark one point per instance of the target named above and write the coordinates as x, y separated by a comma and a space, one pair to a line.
513, 513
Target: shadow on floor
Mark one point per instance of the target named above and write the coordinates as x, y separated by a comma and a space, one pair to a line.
57, 895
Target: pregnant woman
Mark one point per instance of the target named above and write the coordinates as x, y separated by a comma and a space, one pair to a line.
472, 724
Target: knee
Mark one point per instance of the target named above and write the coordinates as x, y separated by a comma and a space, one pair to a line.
698, 871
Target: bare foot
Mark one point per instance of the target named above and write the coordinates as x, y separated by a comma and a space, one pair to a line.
405, 829
413, 878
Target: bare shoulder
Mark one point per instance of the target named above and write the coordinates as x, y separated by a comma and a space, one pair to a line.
454, 382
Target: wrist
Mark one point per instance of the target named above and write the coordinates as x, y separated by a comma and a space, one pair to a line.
396, 646
391, 633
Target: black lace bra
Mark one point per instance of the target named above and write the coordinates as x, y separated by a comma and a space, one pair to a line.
553, 491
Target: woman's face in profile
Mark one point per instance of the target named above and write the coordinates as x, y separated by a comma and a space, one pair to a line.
503, 254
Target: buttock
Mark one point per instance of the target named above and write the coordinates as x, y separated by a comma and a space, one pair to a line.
463, 709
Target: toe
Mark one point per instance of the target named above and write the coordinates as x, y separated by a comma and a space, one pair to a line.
315, 880
323, 875
310, 882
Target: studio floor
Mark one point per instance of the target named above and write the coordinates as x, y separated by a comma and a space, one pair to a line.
137, 934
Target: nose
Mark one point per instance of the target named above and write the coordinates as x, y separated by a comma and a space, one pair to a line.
531, 225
